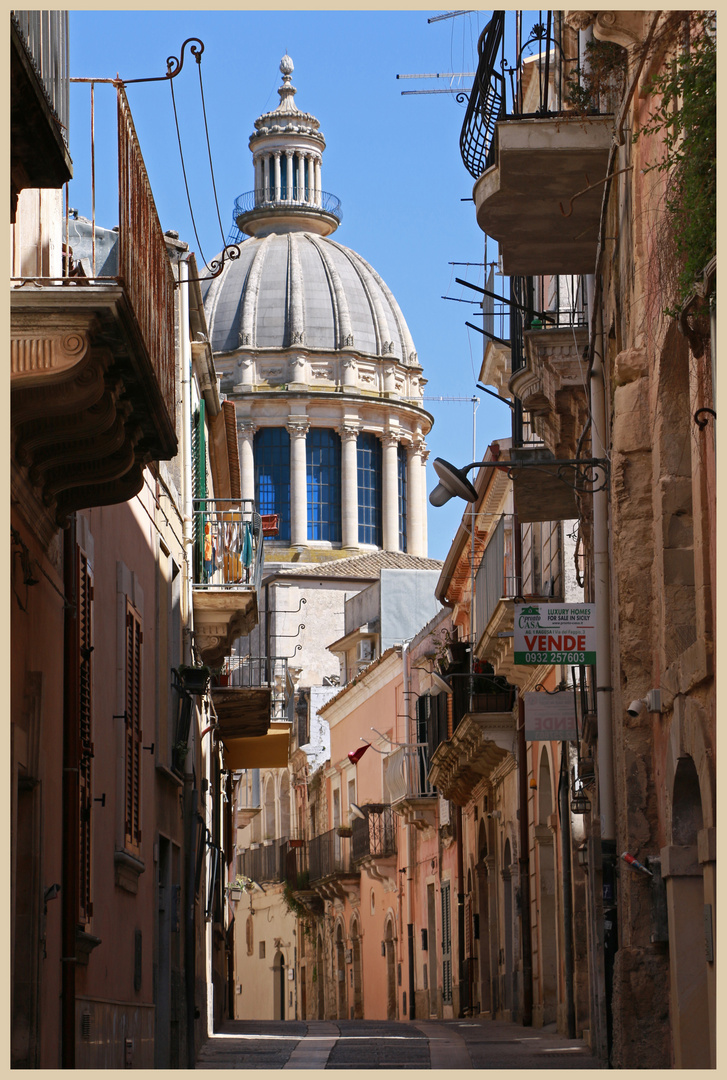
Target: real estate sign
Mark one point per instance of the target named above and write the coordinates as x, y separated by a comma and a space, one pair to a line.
555, 633
550, 716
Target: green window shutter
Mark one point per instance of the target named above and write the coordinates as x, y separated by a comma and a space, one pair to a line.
199, 486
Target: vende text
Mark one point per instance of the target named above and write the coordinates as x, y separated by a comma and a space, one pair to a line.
555, 643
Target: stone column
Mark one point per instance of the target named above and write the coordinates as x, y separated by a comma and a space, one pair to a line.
317, 174
390, 493
245, 433
349, 487
424, 499
245, 369
289, 179
301, 176
276, 194
298, 429
414, 500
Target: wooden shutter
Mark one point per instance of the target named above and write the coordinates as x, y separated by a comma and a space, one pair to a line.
84, 626
446, 945
134, 640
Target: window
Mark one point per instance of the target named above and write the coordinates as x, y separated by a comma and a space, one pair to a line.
132, 737
401, 470
272, 476
323, 468
84, 628
368, 452
261, 950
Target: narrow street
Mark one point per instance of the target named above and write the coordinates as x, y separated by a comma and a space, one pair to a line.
382, 1044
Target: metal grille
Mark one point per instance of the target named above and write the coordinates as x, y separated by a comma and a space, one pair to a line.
401, 470
368, 455
85, 648
144, 264
328, 854
271, 448
323, 466
446, 945
375, 834
134, 639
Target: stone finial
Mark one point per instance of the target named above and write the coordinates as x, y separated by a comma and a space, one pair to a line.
286, 67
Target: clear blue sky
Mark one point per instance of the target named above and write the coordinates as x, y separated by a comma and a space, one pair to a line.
393, 161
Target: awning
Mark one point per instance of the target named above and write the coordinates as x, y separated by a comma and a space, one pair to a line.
269, 751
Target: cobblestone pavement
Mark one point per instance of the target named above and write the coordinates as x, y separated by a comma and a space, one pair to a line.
382, 1044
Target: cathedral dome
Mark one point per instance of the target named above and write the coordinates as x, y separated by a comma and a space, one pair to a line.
301, 289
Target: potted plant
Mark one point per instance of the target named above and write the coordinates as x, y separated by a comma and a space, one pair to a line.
195, 678
344, 830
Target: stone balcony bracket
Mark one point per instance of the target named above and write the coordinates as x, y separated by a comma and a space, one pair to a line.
479, 743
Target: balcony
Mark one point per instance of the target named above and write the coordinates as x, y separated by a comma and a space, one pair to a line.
480, 742
531, 153
497, 585
39, 108
330, 873
411, 794
373, 844
228, 562
266, 862
252, 702
93, 377
252, 211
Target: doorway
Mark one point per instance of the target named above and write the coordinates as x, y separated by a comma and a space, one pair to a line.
279, 986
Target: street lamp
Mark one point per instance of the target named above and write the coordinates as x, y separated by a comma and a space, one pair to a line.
588, 473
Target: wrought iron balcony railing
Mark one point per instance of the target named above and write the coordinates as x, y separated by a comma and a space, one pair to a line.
301, 197
406, 773
267, 862
374, 835
263, 671
328, 854
228, 544
542, 566
524, 70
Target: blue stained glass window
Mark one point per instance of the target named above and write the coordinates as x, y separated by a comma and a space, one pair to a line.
368, 454
271, 448
401, 471
323, 469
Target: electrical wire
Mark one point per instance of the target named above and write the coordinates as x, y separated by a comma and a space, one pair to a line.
209, 154
184, 174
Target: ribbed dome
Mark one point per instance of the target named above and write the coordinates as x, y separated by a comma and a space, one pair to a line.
298, 288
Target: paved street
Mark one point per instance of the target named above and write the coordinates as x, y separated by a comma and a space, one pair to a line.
381, 1044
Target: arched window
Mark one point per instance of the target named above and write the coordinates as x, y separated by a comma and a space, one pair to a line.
323, 468
368, 453
401, 470
271, 448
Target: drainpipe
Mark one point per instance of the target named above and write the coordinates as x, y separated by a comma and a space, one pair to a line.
409, 848
565, 851
524, 861
601, 590
189, 927
71, 824
185, 350
601, 597
190, 791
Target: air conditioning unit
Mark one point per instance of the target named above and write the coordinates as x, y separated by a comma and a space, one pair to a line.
366, 649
